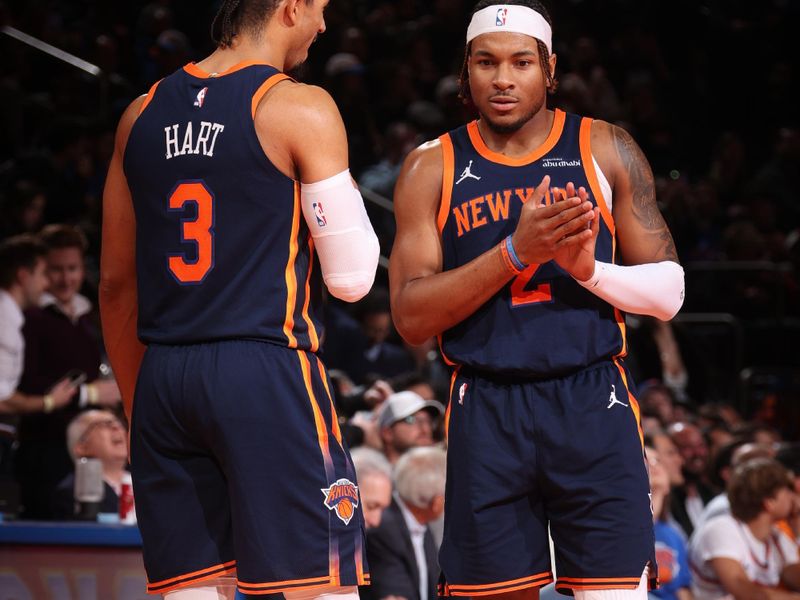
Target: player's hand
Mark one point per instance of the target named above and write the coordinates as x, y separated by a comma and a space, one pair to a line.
578, 259
62, 392
544, 229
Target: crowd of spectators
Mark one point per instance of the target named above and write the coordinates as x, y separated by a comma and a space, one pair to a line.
706, 88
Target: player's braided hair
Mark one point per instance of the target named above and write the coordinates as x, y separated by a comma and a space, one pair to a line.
235, 16
544, 55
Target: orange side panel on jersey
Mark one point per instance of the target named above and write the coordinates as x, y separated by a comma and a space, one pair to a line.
291, 277
312, 331
361, 577
337, 432
448, 172
585, 142
149, 96
623, 352
449, 402
447, 361
319, 422
263, 89
166, 585
634, 402
553, 137
333, 562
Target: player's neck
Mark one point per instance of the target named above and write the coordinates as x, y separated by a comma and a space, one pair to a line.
243, 51
523, 141
761, 526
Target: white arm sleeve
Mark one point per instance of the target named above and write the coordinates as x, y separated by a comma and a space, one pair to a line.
654, 289
346, 244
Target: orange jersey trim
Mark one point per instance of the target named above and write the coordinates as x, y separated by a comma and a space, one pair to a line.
149, 98
319, 421
585, 143
290, 275
166, 585
513, 585
281, 586
196, 71
447, 361
263, 89
312, 331
453, 377
637, 413
448, 172
544, 148
337, 432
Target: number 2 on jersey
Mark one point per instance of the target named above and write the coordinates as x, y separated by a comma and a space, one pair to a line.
197, 230
521, 297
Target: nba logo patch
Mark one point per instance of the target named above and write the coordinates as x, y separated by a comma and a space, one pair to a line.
342, 497
201, 97
502, 14
461, 391
320, 214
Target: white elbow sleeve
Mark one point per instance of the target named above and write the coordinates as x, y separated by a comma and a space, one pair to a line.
654, 289
346, 244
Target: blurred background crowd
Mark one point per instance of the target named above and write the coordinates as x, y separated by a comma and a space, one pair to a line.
707, 88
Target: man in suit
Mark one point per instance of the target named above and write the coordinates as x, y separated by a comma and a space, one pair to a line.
401, 552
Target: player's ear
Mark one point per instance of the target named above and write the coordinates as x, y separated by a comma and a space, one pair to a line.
291, 11
552, 61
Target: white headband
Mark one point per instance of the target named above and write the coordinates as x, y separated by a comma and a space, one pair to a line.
512, 18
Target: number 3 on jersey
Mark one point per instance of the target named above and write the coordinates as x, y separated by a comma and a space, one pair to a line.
197, 230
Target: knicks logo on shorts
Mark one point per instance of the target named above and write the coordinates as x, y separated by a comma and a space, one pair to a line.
342, 497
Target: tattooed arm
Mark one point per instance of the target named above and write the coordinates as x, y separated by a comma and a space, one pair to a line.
642, 234
650, 280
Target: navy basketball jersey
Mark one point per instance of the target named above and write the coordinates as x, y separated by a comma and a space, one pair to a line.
222, 250
541, 324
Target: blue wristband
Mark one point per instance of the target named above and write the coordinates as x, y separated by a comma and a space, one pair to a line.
513, 255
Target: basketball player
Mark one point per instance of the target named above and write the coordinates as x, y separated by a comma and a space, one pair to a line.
228, 182
512, 233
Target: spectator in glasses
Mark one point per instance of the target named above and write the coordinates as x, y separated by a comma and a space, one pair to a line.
407, 421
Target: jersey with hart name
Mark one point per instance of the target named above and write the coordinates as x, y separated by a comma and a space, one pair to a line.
541, 324
222, 250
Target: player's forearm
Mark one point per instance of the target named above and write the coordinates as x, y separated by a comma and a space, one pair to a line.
654, 289
119, 314
425, 307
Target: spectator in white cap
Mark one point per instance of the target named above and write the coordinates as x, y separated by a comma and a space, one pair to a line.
407, 421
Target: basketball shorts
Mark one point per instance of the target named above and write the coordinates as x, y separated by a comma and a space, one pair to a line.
522, 455
239, 466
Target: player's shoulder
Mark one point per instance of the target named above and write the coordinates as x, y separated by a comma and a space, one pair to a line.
419, 185
297, 100
129, 117
425, 160
611, 144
